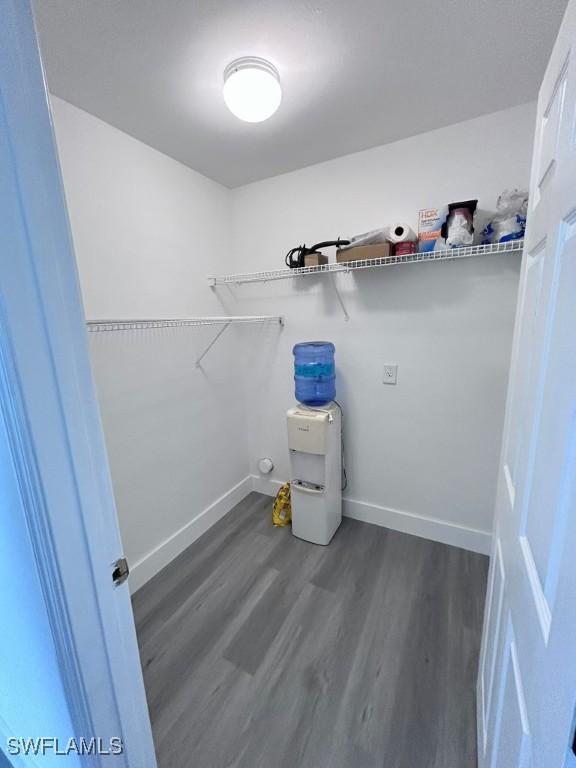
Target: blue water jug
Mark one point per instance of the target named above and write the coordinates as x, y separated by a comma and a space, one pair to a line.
314, 372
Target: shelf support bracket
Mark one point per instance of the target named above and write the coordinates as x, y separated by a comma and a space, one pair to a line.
209, 347
339, 297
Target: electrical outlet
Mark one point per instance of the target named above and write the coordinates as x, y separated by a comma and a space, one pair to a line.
390, 374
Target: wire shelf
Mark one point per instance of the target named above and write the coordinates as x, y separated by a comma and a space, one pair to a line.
99, 326
445, 254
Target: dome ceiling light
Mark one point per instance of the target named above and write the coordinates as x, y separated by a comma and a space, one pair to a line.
252, 89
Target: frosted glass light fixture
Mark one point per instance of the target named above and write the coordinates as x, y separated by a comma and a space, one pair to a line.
252, 89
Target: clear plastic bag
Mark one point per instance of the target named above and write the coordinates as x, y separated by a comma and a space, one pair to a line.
373, 237
460, 228
510, 220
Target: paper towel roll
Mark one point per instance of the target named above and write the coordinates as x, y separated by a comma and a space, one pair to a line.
400, 233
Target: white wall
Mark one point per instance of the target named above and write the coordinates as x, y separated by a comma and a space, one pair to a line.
421, 456
147, 231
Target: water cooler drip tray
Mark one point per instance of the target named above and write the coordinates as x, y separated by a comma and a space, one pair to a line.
308, 468
306, 485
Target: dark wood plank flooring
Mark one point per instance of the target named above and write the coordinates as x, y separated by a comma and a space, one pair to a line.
263, 651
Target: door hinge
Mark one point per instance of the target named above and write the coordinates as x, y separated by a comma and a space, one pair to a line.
120, 571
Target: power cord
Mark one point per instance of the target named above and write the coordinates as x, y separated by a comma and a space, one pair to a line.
344, 483
295, 256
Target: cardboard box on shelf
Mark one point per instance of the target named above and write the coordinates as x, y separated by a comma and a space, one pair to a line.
315, 259
363, 252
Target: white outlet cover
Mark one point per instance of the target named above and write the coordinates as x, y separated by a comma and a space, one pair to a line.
390, 374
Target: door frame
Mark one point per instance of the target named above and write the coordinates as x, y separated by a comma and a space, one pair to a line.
49, 404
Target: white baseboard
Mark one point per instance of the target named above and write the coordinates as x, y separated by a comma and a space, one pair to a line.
143, 570
407, 522
265, 485
418, 525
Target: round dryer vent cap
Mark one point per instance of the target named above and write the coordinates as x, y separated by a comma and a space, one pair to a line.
265, 466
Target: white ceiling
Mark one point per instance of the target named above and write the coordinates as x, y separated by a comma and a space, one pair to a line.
354, 74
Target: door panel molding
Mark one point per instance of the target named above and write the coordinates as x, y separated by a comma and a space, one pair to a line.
494, 618
13, 412
548, 149
540, 601
501, 666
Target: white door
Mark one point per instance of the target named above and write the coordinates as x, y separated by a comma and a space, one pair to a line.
54, 441
527, 676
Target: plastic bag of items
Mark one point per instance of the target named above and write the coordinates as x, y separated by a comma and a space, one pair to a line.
510, 220
398, 233
373, 237
282, 509
458, 229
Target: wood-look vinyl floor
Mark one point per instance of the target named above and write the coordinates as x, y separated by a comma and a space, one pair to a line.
263, 651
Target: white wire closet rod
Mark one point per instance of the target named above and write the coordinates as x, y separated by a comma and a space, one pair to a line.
99, 326
445, 254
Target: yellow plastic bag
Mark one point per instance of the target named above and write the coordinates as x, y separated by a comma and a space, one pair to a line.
282, 509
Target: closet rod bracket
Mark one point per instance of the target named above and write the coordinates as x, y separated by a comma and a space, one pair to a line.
278, 319
339, 297
209, 347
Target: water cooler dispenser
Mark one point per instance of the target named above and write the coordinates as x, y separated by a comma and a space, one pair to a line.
315, 443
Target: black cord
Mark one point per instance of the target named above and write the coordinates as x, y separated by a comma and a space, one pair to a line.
344, 483
344, 475
299, 261
294, 261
